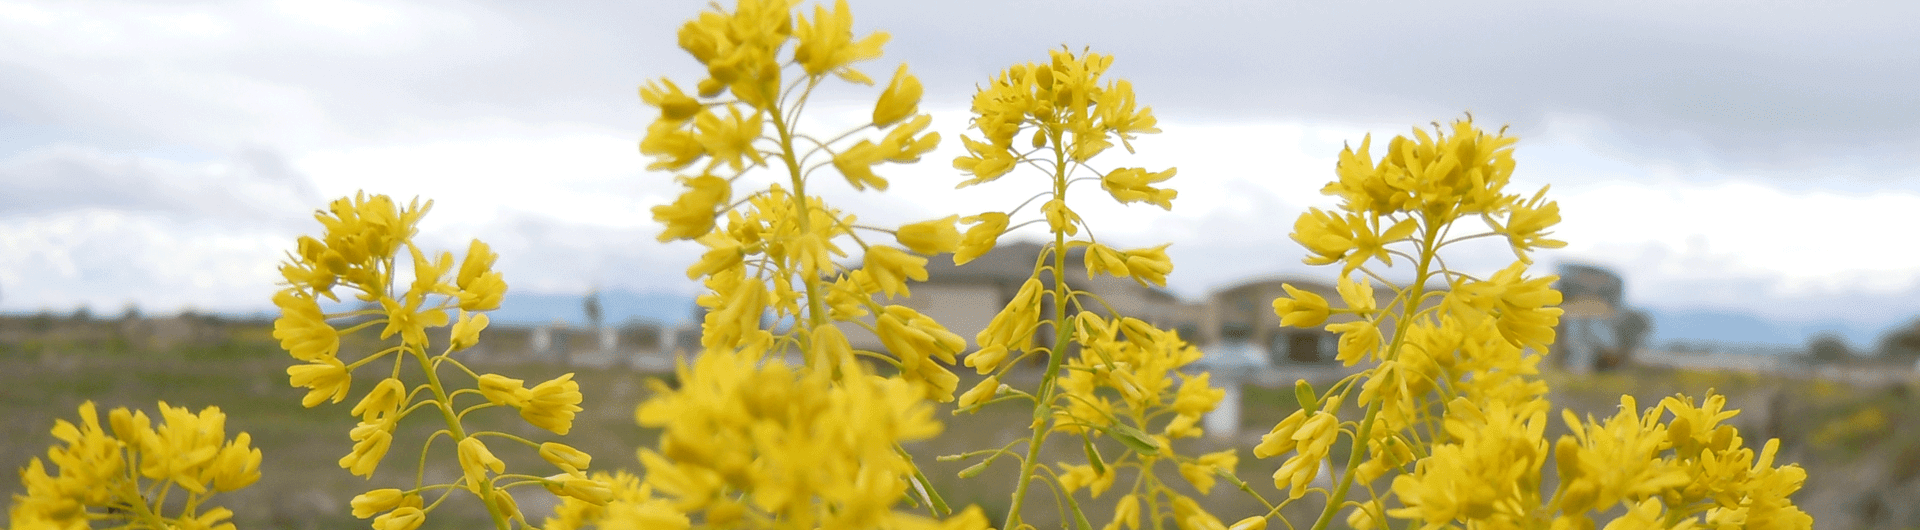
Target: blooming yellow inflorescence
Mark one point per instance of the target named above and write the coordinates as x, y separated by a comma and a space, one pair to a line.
1108, 374
748, 439
781, 422
361, 249
123, 474
1455, 412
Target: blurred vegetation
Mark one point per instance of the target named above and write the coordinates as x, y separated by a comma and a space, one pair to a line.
1860, 442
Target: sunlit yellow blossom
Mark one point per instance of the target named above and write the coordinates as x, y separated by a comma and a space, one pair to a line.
1101, 259
692, 214
1201, 471
1359, 340
1076, 476
856, 164
826, 43
1304, 310
302, 329
1060, 218
985, 162
981, 392
675, 106
370, 443
565, 457
930, 237
900, 100
385, 398
1149, 265
403, 518
892, 268
981, 237
1132, 184
501, 390
377, 501
475, 460
466, 331
671, 146
550, 405
325, 379
411, 319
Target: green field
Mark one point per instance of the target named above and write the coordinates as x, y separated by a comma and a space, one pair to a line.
1860, 444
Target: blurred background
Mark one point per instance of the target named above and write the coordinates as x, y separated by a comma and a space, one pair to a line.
1736, 180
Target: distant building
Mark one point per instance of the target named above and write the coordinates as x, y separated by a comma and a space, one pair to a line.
1597, 331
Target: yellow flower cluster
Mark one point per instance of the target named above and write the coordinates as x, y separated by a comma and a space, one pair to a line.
364, 238
124, 474
781, 423
1118, 376
749, 440
772, 446
1455, 411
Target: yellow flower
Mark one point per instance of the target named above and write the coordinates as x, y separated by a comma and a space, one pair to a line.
466, 331
981, 237
1126, 514
1076, 476
386, 398
892, 268
377, 501
1132, 184
480, 288
404, 518
985, 390
592, 491
856, 164
691, 215
475, 460
675, 106
410, 320
565, 457
1200, 471
1304, 310
930, 237
237, 466
1060, 218
325, 379
985, 162
1149, 265
1196, 397
671, 146
501, 390
730, 140
900, 100
550, 405
1359, 339
827, 45
302, 329
371, 440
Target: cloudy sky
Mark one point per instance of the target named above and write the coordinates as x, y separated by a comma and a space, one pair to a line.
1758, 157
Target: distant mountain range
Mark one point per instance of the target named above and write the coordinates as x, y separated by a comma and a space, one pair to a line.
616, 307
1743, 329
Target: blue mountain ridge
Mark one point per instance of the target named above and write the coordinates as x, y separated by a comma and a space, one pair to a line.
1696, 326
616, 307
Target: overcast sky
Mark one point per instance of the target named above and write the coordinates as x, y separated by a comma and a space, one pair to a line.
1760, 157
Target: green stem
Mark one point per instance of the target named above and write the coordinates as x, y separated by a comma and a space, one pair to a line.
1364, 437
1043, 400
453, 428
816, 309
